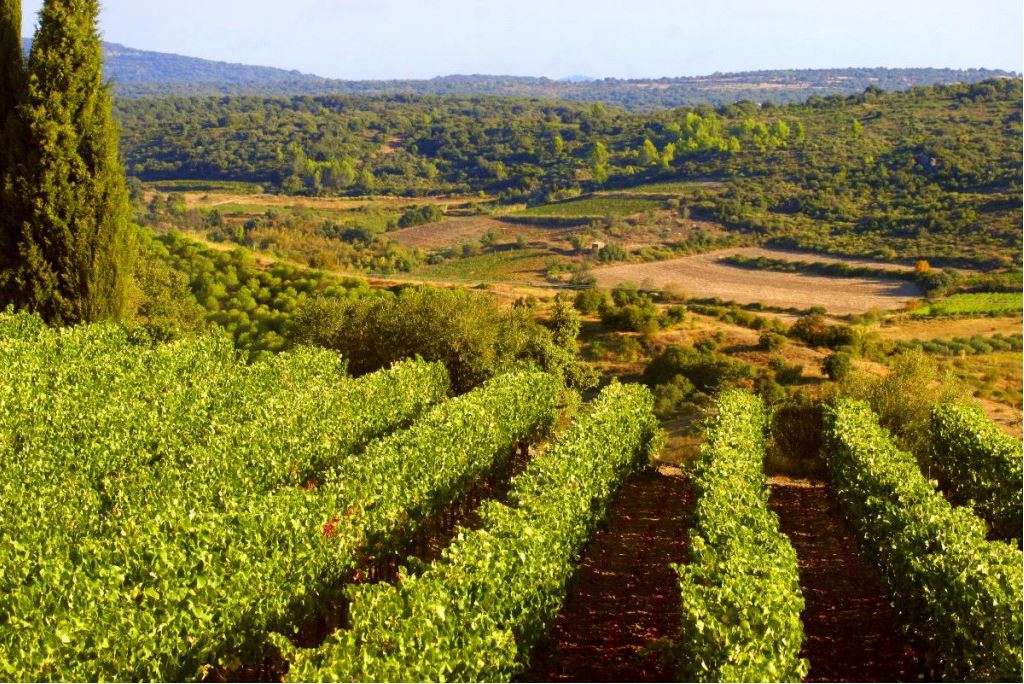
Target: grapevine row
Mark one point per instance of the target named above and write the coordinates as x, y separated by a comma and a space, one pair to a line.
958, 593
741, 598
982, 464
284, 550
476, 614
123, 531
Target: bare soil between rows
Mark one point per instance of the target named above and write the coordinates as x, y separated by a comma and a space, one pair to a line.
625, 597
851, 631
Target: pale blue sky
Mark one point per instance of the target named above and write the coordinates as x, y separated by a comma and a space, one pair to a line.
358, 39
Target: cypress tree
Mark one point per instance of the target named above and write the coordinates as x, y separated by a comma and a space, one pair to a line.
75, 249
12, 96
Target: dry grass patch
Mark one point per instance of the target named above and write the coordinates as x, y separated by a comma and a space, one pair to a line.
947, 328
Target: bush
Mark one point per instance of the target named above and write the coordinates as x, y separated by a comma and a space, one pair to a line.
785, 373
639, 315
590, 302
903, 399
610, 253
816, 332
707, 345
670, 397
674, 315
770, 391
474, 337
629, 348
795, 449
415, 216
707, 371
771, 341
627, 293
836, 366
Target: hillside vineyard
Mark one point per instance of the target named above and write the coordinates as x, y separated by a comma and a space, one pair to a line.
506, 379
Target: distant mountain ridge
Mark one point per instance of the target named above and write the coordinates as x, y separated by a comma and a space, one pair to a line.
141, 73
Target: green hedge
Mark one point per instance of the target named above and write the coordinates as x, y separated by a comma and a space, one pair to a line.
741, 599
982, 463
959, 594
475, 614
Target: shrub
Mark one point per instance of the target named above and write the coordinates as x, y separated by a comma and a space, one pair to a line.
771, 341
956, 591
629, 348
707, 371
468, 332
903, 399
670, 397
785, 373
795, 449
590, 301
836, 366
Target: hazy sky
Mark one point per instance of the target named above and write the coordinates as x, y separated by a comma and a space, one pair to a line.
357, 39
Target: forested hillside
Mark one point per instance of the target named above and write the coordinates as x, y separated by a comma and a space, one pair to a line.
884, 174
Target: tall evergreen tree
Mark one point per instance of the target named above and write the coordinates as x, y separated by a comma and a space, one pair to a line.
12, 95
76, 247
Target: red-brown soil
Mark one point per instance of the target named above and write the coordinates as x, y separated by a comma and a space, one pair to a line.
851, 633
626, 596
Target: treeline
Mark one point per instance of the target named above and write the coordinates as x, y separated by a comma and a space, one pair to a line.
933, 282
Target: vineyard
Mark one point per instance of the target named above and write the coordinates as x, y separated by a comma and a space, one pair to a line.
181, 511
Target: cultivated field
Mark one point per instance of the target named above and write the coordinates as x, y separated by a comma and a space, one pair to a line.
702, 276
594, 207
460, 230
970, 304
947, 329
220, 199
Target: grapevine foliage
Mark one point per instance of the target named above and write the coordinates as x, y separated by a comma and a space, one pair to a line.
959, 594
741, 598
475, 614
982, 463
153, 523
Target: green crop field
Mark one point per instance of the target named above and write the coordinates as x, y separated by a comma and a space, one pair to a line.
675, 187
594, 206
979, 303
511, 264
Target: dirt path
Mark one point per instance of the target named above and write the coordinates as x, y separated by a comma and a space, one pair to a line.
626, 596
850, 628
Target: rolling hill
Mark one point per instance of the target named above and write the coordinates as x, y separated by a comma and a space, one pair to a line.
140, 73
